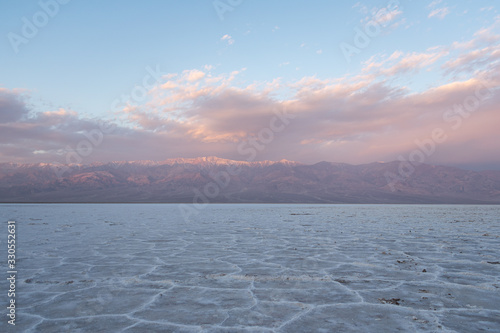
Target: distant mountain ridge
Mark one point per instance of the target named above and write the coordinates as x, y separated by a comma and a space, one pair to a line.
205, 161
212, 179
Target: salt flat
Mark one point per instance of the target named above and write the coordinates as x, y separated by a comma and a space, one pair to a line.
255, 268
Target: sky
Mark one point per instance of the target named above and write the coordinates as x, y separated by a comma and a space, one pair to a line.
308, 81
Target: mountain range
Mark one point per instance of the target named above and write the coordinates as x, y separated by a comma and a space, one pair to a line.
212, 179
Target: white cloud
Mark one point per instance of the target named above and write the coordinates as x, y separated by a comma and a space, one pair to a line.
228, 39
398, 63
487, 9
439, 12
362, 8
434, 3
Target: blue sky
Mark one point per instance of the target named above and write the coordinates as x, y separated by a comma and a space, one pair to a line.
91, 52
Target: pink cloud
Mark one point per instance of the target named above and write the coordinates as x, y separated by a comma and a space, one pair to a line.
399, 63
228, 39
354, 119
194, 75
